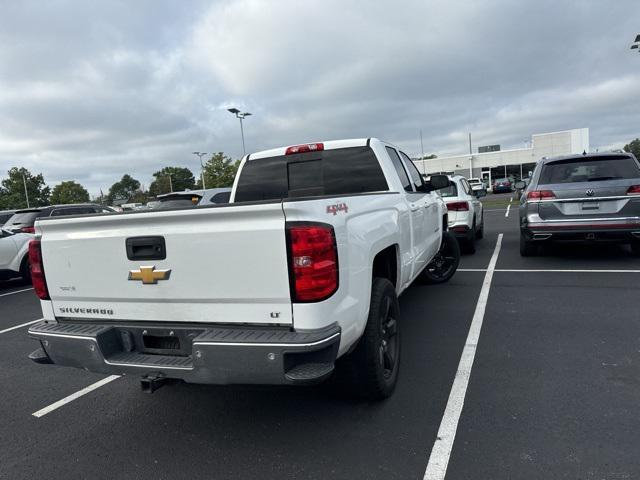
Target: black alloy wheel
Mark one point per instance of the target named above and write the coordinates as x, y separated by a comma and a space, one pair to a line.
445, 263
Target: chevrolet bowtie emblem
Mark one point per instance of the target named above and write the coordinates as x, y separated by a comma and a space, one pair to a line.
149, 275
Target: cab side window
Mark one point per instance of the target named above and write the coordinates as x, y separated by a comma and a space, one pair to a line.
416, 178
397, 163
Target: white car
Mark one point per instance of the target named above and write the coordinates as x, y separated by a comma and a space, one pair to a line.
301, 268
477, 185
14, 260
466, 216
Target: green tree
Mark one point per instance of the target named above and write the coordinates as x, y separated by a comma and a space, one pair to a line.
139, 197
219, 171
123, 190
430, 157
69, 192
177, 177
12, 193
633, 147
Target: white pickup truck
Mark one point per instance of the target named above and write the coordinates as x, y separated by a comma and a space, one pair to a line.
303, 267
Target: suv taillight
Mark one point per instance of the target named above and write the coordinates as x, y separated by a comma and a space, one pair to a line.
313, 261
28, 230
540, 195
458, 206
37, 271
634, 190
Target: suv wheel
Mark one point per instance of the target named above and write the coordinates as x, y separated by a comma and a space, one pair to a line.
470, 242
445, 263
372, 367
25, 271
527, 248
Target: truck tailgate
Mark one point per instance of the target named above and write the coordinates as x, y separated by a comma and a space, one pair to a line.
225, 265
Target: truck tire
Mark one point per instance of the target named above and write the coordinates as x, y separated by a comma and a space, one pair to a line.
445, 263
635, 247
372, 368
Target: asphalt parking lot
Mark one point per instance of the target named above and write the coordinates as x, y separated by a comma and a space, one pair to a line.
545, 377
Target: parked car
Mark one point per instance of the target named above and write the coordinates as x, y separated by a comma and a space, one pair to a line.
13, 254
301, 269
466, 217
24, 220
192, 198
502, 185
477, 185
5, 215
582, 198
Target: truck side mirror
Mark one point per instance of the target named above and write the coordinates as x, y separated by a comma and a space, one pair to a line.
520, 185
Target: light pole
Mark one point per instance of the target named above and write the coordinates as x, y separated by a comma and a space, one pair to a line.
170, 184
26, 194
200, 155
241, 117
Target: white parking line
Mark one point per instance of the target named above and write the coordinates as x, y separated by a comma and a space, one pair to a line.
15, 291
60, 403
20, 326
539, 270
441, 452
507, 212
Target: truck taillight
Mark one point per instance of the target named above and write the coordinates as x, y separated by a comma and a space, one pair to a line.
307, 147
634, 190
37, 271
458, 206
537, 195
313, 261
28, 230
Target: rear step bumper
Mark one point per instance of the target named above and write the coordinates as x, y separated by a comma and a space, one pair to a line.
215, 355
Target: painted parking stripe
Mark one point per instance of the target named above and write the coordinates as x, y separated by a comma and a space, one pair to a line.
539, 270
60, 403
441, 452
20, 326
16, 291
506, 214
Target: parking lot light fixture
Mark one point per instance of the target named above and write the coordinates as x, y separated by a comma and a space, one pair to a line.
241, 116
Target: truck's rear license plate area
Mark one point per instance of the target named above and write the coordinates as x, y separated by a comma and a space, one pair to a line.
157, 342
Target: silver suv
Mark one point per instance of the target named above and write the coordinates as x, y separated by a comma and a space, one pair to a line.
582, 198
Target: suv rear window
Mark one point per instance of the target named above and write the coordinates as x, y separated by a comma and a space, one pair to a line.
450, 191
341, 171
589, 170
4, 217
23, 219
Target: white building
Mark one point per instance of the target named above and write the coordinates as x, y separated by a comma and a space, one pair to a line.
516, 162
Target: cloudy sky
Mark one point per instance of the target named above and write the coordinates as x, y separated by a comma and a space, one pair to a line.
90, 90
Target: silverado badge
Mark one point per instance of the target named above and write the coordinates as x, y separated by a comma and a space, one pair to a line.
149, 275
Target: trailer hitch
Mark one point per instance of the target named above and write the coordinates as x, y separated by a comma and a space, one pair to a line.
152, 382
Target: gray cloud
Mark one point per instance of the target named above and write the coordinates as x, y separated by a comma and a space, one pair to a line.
92, 90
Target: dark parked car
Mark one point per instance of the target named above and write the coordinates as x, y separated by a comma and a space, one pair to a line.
582, 198
192, 198
5, 215
502, 185
23, 220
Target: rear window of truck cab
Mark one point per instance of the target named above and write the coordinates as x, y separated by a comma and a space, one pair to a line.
575, 170
341, 171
